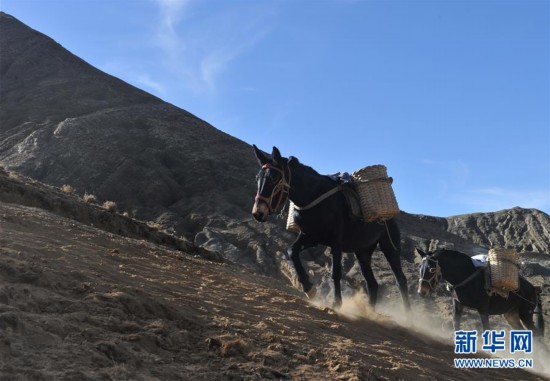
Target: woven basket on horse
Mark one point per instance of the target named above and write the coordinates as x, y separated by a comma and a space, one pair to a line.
290, 223
504, 265
375, 193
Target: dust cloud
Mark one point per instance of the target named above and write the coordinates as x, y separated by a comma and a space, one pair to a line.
423, 322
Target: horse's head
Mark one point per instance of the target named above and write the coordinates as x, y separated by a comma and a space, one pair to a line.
273, 184
430, 273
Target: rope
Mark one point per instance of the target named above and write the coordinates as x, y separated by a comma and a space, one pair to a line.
319, 199
472, 276
378, 179
521, 297
287, 201
389, 236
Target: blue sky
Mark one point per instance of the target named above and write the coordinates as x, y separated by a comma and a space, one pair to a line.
452, 96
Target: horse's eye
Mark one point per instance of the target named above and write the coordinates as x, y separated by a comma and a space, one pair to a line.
270, 177
432, 270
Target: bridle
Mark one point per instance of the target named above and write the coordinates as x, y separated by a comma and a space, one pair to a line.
280, 190
434, 279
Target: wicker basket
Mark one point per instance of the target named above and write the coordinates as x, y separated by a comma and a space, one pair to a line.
375, 193
504, 265
290, 223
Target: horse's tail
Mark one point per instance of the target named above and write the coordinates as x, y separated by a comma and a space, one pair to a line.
539, 321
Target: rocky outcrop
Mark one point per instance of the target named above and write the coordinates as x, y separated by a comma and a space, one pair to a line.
526, 230
19, 190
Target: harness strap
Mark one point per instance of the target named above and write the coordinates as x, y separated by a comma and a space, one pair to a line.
322, 197
472, 276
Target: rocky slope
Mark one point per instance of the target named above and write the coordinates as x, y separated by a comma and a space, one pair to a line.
80, 303
63, 121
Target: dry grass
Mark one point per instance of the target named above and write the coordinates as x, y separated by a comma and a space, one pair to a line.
154, 225
235, 347
66, 188
110, 206
89, 198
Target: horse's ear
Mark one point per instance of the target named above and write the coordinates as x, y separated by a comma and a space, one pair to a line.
276, 156
260, 155
292, 160
420, 252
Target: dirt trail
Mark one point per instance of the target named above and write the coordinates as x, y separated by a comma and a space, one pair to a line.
77, 303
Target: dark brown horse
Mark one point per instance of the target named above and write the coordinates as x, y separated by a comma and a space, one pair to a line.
323, 217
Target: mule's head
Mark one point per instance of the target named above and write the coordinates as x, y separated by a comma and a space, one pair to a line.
430, 273
273, 184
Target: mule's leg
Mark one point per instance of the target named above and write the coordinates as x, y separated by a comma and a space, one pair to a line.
484, 315
530, 311
513, 319
539, 320
364, 257
299, 245
391, 247
336, 272
458, 308
526, 317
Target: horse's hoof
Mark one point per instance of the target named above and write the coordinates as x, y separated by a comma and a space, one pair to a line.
311, 293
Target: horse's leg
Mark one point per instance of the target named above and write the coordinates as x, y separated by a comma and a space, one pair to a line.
336, 272
364, 257
391, 247
299, 245
458, 308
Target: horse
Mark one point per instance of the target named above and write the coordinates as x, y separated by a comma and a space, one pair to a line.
322, 215
468, 282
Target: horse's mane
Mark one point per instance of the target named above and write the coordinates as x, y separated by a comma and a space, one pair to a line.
293, 162
454, 253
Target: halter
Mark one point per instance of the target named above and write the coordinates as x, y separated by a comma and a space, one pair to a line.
435, 278
279, 191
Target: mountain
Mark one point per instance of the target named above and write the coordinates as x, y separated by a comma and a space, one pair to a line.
526, 230
63, 121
